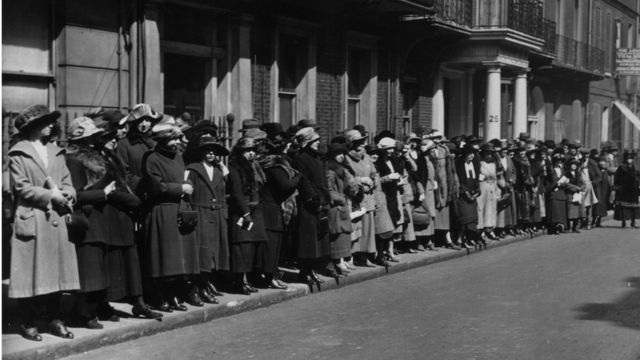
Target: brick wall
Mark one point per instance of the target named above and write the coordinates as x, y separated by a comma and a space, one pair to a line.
331, 62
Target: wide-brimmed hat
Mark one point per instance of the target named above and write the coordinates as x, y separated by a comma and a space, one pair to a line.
82, 128
434, 134
466, 150
255, 134
34, 115
308, 123
386, 143
272, 128
355, 136
472, 139
166, 129
412, 137
497, 144
249, 124
371, 149
557, 157
143, 111
429, 143
487, 148
629, 155
575, 144
334, 149
208, 143
245, 143
306, 136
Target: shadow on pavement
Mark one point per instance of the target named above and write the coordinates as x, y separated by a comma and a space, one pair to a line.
624, 312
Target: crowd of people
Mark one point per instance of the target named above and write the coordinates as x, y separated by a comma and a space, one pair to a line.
155, 211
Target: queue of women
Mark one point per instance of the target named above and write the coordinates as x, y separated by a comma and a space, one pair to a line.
146, 209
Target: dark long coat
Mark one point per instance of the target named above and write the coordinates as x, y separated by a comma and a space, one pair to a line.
167, 250
313, 239
108, 218
467, 211
244, 199
132, 150
43, 260
556, 198
602, 193
627, 186
209, 199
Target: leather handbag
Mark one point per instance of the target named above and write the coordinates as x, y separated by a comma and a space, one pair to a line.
421, 216
187, 217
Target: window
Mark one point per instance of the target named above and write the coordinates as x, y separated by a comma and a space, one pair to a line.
597, 33
293, 72
629, 36
577, 21
560, 17
292, 60
358, 69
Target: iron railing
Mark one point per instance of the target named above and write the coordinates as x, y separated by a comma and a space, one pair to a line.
526, 16
549, 35
455, 11
578, 54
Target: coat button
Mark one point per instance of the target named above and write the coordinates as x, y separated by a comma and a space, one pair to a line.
54, 223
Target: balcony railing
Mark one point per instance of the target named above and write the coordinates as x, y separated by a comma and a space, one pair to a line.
455, 11
578, 54
526, 16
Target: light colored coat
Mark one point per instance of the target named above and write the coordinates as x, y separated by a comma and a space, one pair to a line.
43, 260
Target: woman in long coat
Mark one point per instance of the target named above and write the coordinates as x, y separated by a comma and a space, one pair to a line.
390, 179
209, 199
602, 193
43, 260
488, 199
170, 251
342, 189
591, 178
107, 256
425, 183
575, 186
557, 197
278, 199
627, 187
246, 221
469, 189
312, 229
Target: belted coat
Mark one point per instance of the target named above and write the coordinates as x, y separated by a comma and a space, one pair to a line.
43, 260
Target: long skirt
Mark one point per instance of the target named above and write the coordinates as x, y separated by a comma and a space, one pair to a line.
340, 245
487, 205
622, 212
244, 256
367, 241
269, 252
557, 211
573, 211
409, 231
125, 275
442, 219
92, 266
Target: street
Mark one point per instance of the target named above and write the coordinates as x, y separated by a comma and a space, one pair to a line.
574, 296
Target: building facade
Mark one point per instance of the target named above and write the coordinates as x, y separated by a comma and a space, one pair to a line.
494, 68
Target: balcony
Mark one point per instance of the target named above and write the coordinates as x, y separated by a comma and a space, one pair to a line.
453, 11
526, 16
576, 54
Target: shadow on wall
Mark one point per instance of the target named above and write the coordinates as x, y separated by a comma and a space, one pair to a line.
623, 312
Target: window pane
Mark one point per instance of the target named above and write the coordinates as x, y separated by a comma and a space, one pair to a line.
353, 113
287, 109
358, 69
292, 61
184, 83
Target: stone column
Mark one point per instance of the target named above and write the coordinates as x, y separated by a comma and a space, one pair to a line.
153, 92
520, 105
492, 104
242, 106
437, 117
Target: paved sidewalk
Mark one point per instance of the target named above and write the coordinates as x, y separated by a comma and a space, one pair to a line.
15, 347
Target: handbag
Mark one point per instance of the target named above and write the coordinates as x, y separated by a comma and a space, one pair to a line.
339, 219
504, 201
421, 216
187, 217
576, 198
